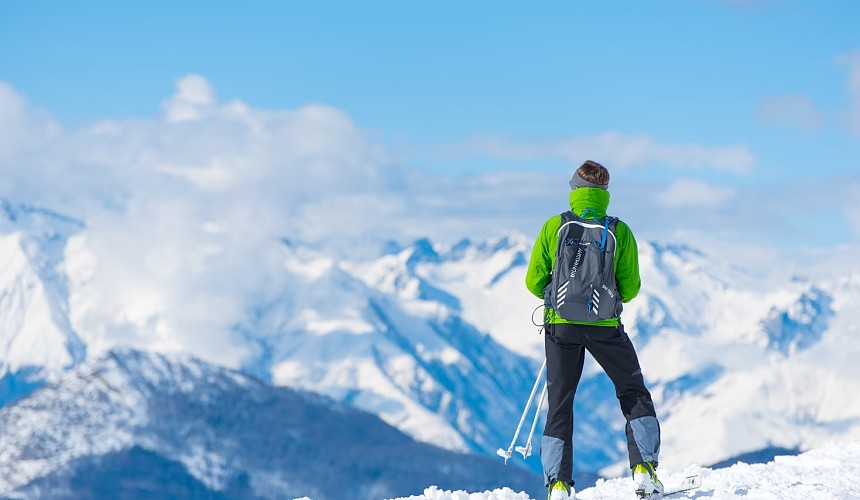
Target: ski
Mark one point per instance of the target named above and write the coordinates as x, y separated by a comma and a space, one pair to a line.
689, 483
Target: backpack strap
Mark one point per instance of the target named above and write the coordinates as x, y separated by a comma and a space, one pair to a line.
606, 222
565, 218
609, 223
587, 212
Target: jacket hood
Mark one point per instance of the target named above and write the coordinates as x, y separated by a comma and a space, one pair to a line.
596, 199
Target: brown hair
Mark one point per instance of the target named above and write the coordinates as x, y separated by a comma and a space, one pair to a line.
594, 173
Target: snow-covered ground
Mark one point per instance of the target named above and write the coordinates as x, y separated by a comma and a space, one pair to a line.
831, 472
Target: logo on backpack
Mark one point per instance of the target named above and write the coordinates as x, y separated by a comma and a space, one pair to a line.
576, 263
583, 279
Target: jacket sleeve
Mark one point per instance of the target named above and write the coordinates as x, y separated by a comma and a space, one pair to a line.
627, 263
539, 272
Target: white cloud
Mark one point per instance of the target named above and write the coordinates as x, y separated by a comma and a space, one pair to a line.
692, 193
215, 177
21, 127
185, 213
618, 150
193, 98
799, 111
791, 111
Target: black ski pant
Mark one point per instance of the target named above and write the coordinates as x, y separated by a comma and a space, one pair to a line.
611, 348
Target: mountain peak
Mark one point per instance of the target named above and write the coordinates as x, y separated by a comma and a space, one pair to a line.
422, 250
23, 216
800, 325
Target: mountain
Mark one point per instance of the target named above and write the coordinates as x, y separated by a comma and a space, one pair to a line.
739, 364
398, 347
137, 425
439, 342
420, 367
37, 341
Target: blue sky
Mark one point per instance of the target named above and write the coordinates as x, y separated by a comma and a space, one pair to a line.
722, 104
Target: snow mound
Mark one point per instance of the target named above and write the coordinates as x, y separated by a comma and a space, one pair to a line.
829, 472
434, 493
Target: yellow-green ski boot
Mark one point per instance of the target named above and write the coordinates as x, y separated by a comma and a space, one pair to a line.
647, 484
559, 490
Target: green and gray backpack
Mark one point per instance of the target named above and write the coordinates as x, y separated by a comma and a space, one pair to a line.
583, 280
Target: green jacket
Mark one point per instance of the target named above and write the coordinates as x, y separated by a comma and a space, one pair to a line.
625, 265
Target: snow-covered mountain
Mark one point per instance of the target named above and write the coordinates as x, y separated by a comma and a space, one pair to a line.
736, 365
398, 347
112, 427
438, 341
424, 369
37, 341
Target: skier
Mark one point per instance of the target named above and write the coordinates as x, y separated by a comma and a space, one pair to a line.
601, 334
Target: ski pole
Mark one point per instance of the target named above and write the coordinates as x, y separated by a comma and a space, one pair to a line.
506, 454
527, 449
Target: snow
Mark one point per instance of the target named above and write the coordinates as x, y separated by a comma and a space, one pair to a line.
488, 279
433, 493
34, 330
829, 472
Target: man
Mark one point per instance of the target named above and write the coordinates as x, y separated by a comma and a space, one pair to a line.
574, 328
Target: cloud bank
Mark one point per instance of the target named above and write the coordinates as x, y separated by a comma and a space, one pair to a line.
694, 193
186, 211
624, 151
21, 127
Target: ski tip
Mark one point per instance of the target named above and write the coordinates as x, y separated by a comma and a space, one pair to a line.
689, 483
694, 481
502, 453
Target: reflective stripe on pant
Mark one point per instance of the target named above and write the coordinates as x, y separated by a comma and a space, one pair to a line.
565, 354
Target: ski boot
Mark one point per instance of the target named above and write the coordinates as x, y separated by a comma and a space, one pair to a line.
647, 484
559, 490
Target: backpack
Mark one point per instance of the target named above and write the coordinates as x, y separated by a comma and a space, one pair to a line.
583, 280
